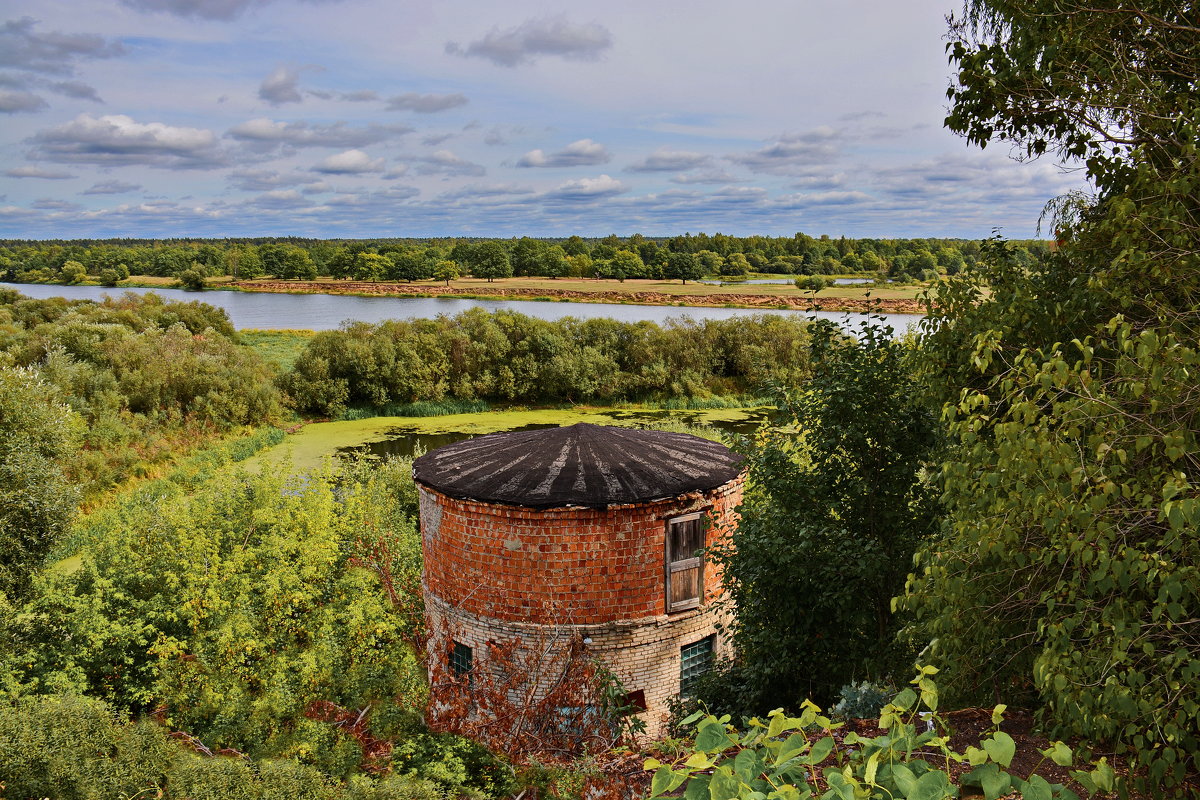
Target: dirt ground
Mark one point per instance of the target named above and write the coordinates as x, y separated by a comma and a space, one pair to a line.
652, 293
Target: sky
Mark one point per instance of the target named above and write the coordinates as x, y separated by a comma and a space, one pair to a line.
373, 118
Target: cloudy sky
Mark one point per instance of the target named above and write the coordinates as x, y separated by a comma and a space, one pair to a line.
356, 118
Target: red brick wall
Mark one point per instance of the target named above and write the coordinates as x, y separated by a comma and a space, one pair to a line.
560, 565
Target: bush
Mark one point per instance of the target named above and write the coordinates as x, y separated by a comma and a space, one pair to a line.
862, 700
782, 756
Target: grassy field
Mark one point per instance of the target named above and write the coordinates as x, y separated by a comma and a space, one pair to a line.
550, 286
281, 348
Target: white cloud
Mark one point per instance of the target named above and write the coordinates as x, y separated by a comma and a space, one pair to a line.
281, 86
118, 139
792, 152
666, 160
583, 153
445, 162
425, 103
351, 162
538, 37
111, 187
269, 133
588, 189
18, 102
38, 172
23, 48
201, 9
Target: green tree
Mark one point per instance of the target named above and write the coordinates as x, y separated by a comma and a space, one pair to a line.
371, 267
39, 436
489, 260
683, 266
1071, 496
298, 265
72, 272
193, 279
445, 270
835, 507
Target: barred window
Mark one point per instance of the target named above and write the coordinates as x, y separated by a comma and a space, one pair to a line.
685, 566
461, 659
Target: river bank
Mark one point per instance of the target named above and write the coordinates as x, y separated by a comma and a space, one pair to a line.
857, 302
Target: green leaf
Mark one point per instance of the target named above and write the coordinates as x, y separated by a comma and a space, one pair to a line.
697, 788
905, 700
793, 746
712, 737
1059, 753
746, 765
905, 780
933, 785
994, 783
662, 781
1001, 748
1037, 788
820, 751
724, 786
998, 714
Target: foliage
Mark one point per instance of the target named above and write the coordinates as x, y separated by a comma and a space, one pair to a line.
193, 280
38, 434
148, 377
1069, 387
791, 758
835, 507
813, 283
635, 256
72, 748
862, 700
505, 356
243, 610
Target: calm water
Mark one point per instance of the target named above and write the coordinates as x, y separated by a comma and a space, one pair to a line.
786, 281
404, 441
322, 312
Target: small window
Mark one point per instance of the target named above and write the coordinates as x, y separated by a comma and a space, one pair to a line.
695, 659
460, 660
685, 566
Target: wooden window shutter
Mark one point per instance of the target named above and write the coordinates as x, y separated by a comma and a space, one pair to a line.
684, 564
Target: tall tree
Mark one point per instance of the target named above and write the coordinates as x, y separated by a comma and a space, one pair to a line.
1072, 489
835, 508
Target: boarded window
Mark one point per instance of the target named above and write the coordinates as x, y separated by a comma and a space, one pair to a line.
685, 565
461, 659
695, 659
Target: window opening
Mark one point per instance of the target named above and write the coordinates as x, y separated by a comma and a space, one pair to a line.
461, 659
685, 566
695, 659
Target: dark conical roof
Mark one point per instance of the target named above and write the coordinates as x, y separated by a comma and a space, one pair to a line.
580, 465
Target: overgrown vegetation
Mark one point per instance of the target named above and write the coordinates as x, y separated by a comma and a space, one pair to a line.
252, 613
835, 507
510, 357
1068, 564
810, 755
147, 377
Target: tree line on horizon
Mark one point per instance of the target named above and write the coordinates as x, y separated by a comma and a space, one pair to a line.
685, 257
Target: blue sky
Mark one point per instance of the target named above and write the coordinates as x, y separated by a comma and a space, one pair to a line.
360, 118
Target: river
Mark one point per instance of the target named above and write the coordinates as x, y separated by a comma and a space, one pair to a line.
320, 312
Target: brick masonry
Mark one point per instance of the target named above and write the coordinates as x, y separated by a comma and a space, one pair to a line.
500, 573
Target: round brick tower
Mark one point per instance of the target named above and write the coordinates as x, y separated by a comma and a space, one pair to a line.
587, 533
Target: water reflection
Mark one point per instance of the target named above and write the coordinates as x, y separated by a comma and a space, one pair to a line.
328, 311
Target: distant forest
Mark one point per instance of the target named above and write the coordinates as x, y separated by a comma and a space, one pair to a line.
685, 257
